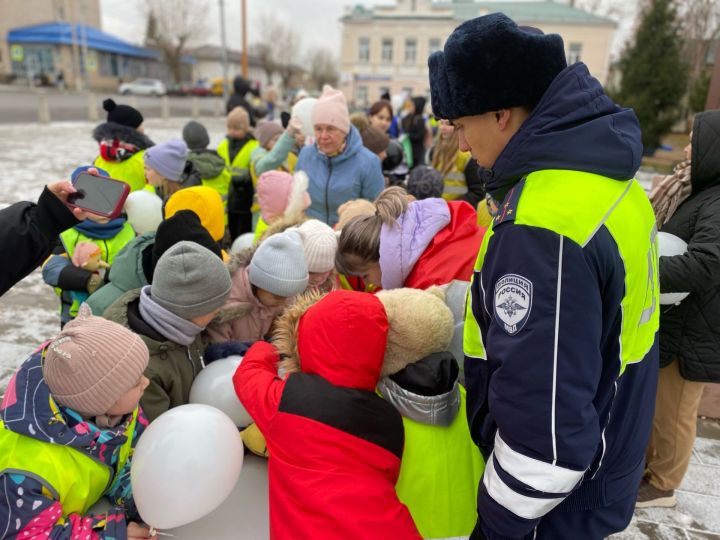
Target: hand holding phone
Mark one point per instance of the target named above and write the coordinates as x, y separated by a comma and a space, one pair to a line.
98, 195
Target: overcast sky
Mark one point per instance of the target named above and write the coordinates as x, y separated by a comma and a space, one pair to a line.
128, 22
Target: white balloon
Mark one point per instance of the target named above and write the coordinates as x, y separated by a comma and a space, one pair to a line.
243, 241
670, 245
144, 211
185, 465
243, 516
213, 386
303, 111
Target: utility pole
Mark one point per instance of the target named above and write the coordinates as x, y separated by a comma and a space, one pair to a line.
245, 70
223, 40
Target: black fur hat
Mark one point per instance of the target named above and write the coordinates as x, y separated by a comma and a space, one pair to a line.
490, 63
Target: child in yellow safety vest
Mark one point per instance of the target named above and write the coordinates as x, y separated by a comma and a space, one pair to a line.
70, 422
441, 466
58, 271
461, 175
122, 143
236, 150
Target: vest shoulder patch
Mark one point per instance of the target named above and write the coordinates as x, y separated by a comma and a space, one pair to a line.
513, 302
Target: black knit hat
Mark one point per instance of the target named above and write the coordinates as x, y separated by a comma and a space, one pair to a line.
122, 114
184, 225
490, 63
425, 182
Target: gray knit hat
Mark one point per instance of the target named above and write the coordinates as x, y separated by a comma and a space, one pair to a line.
168, 158
196, 135
278, 266
190, 281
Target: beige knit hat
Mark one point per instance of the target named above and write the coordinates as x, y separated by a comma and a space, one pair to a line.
420, 324
239, 118
320, 244
92, 362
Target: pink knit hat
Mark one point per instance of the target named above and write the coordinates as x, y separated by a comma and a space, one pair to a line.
93, 362
331, 109
279, 193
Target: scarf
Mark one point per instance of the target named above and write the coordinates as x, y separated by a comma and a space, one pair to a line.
174, 328
671, 192
101, 231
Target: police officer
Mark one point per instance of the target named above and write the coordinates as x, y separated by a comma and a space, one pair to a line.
560, 342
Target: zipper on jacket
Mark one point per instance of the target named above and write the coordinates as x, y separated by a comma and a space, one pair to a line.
327, 188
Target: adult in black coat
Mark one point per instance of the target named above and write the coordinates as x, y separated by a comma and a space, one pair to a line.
689, 331
241, 87
29, 231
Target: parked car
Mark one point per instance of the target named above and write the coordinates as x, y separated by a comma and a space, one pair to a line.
201, 90
178, 89
144, 87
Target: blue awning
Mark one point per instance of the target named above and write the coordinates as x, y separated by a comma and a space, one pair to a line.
59, 33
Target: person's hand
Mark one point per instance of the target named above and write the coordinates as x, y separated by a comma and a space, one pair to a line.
294, 126
63, 188
93, 282
136, 532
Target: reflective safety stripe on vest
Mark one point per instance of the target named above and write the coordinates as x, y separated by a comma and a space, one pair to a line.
454, 183
73, 478
108, 249
576, 205
131, 171
241, 163
441, 465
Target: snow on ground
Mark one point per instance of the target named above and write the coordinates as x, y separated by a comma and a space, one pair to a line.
31, 156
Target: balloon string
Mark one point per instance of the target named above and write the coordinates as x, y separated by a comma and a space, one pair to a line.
154, 531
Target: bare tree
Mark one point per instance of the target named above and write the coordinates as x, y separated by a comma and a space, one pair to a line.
701, 29
264, 54
172, 26
279, 46
322, 66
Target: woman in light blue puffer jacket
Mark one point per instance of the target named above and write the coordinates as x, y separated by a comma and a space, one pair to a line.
340, 168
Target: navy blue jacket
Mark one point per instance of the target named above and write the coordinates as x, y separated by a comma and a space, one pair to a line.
548, 397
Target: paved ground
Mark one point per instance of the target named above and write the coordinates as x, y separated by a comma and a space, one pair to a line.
32, 155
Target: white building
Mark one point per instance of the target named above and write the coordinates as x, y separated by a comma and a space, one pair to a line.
385, 48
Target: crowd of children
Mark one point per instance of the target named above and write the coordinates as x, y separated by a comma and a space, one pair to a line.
149, 298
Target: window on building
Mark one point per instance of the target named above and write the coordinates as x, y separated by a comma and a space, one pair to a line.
413, 5
574, 52
384, 90
387, 50
433, 45
361, 96
410, 51
364, 50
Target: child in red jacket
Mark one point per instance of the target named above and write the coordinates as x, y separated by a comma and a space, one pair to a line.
334, 444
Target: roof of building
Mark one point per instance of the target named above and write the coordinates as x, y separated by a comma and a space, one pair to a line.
531, 12
60, 33
527, 12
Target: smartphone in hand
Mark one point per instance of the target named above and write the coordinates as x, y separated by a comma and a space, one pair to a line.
99, 195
